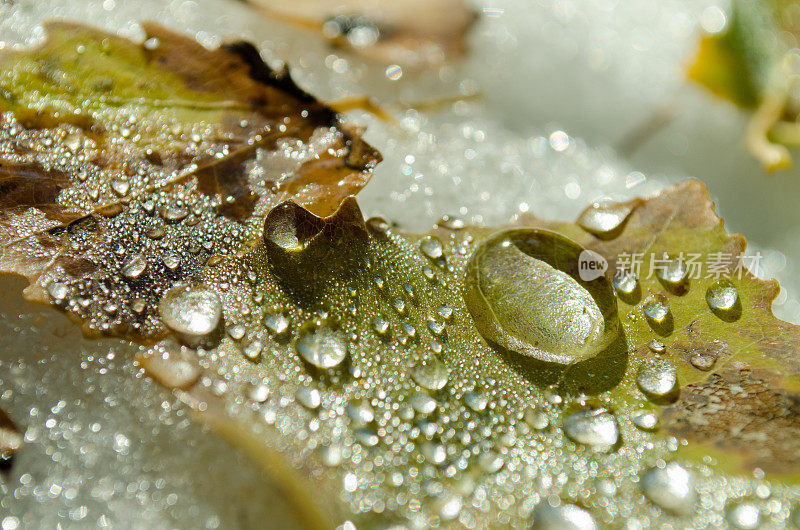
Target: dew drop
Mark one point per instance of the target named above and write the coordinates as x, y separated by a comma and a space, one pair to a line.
173, 213
536, 419
656, 346
657, 379
658, 315
366, 436
596, 427
308, 397
257, 393
524, 293
277, 323
360, 412
671, 487
422, 403
448, 506
451, 222
191, 312
626, 285
57, 290
723, 299
433, 452
134, 266
703, 361
556, 516
431, 375
432, 247
380, 326
743, 516
674, 274
252, 351
605, 220
172, 261
120, 187
646, 421
477, 401
322, 346
490, 461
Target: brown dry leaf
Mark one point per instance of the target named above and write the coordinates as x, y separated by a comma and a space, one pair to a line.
125, 167
415, 33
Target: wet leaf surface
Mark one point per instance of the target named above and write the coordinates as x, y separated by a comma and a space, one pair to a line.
346, 357
125, 167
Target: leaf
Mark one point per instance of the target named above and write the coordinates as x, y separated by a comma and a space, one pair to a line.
415, 33
351, 353
387, 378
125, 167
744, 63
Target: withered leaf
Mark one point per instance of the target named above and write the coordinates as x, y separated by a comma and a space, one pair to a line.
415, 33
393, 391
125, 167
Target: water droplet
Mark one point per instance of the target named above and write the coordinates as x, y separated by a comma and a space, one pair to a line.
57, 290
173, 213
703, 361
448, 506
258, 393
490, 461
445, 312
253, 351
308, 397
743, 516
120, 187
422, 403
435, 327
606, 220
477, 401
550, 515
646, 421
626, 285
723, 299
432, 247
451, 222
171, 369
134, 266
524, 293
331, 455
656, 310
380, 326
658, 379
596, 427
431, 375
366, 436
536, 419
191, 312
277, 323
172, 261
322, 346
360, 412
236, 331
674, 274
656, 346
671, 487
433, 452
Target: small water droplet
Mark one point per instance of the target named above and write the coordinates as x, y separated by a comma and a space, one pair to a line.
360, 412
432, 247
596, 427
743, 516
331, 455
134, 266
658, 379
57, 290
236, 331
173, 213
477, 401
626, 285
723, 299
524, 293
431, 375
120, 187
172, 261
550, 515
451, 222
366, 436
253, 351
448, 506
380, 326
276, 323
322, 346
656, 346
490, 461
435, 327
671, 487
191, 312
658, 314
446, 312
258, 393
606, 220
433, 452
536, 419
422, 403
646, 421
703, 361
308, 397
674, 274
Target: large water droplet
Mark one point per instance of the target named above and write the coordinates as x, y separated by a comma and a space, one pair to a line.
524, 291
606, 220
322, 346
556, 516
596, 427
673, 274
134, 266
658, 379
646, 421
723, 299
671, 487
432, 247
191, 312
